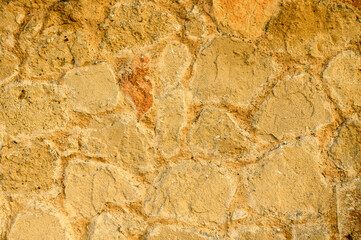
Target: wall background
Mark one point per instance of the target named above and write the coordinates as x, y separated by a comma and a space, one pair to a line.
221, 119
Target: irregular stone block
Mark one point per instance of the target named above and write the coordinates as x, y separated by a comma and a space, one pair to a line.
288, 183
9, 65
215, 131
89, 185
93, 88
312, 28
171, 118
32, 108
343, 76
311, 232
244, 232
135, 24
349, 209
28, 167
190, 191
195, 26
121, 226
245, 18
293, 108
228, 71
4, 215
173, 232
346, 148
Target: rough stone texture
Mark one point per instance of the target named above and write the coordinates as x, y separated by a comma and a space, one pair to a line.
32, 108
172, 232
349, 209
293, 108
190, 191
28, 167
216, 132
93, 88
343, 76
8, 66
243, 232
346, 148
117, 226
4, 215
230, 71
287, 183
310, 232
88, 186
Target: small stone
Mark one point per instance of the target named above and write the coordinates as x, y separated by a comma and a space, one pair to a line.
89, 185
195, 25
191, 191
343, 76
245, 232
293, 108
311, 232
32, 108
173, 232
121, 226
93, 88
229, 71
349, 209
238, 214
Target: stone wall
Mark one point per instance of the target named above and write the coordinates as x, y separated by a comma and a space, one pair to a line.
180, 119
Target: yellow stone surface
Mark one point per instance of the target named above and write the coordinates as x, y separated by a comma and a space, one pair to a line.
190, 191
171, 232
8, 65
293, 108
244, 232
4, 215
310, 232
229, 71
343, 76
93, 88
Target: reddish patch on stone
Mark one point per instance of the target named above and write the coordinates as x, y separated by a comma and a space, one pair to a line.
355, 3
137, 86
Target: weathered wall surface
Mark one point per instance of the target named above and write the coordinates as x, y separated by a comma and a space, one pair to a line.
165, 119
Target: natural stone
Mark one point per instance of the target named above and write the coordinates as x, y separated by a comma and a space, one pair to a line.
173, 232
311, 232
245, 18
28, 167
195, 25
30, 108
122, 141
89, 185
141, 23
346, 148
343, 76
293, 108
238, 214
215, 131
268, 185
93, 88
312, 28
229, 71
190, 191
4, 215
349, 209
10, 18
9, 65
171, 119
121, 226
245, 232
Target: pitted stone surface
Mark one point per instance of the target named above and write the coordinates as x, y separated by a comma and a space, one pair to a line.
343, 76
215, 131
190, 191
32, 108
93, 88
288, 183
293, 108
311, 232
88, 186
229, 71
4, 215
245, 232
28, 167
9, 65
173, 232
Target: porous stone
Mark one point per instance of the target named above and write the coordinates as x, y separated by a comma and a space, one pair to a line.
9, 65
4, 215
30, 108
312, 28
121, 141
141, 23
343, 76
230, 71
216, 132
349, 209
311, 232
171, 118
89, 185
173, 232
288, 183
11, 17
294, 108
245, 232
346, 148
190, 191
244, 18
93, 88
121, 226
28, 167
